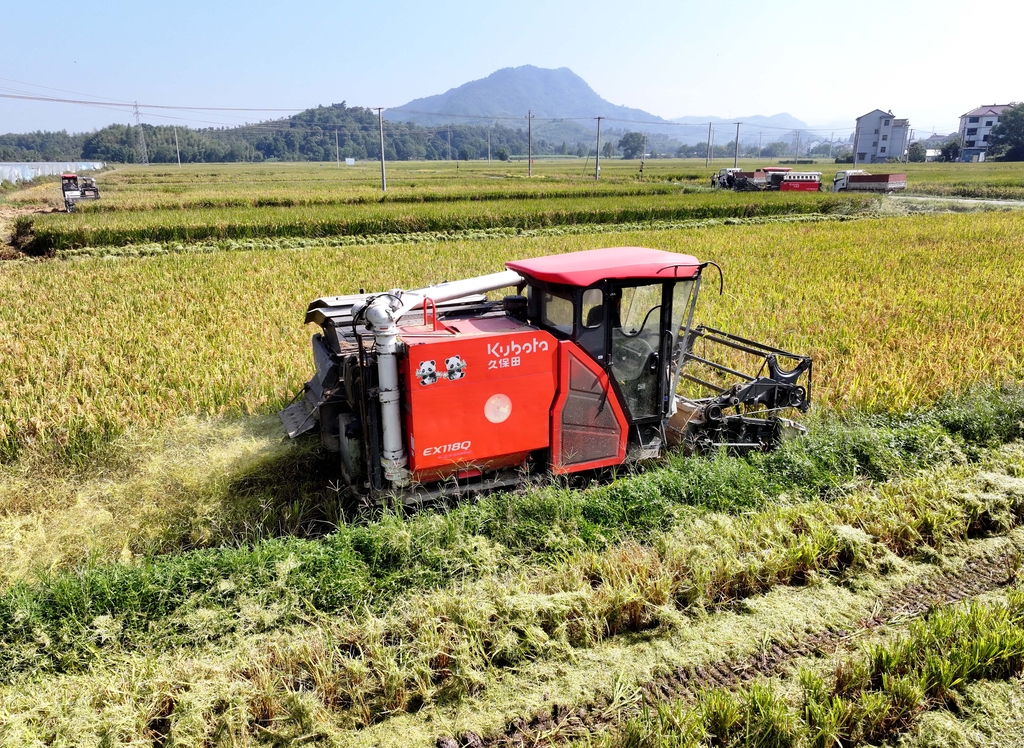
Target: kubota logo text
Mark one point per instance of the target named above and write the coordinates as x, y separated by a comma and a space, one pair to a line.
497, 350
511, 354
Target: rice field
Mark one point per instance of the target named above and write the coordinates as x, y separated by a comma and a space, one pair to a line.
66, 231
895, 311
239, 201
172, 572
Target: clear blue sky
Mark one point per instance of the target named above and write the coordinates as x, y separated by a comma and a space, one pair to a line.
820, 61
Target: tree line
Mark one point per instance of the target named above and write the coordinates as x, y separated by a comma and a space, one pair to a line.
320, 134
340, 131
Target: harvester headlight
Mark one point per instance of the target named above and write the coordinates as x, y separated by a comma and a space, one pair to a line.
498, 408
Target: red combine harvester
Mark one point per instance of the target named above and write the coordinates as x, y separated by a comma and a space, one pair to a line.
442, 391
780, 178
798, 181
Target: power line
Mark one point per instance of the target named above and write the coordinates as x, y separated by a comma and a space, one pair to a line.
58, 100
128, 107
115, 104
62, 90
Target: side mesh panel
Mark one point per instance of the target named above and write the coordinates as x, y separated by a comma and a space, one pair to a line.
590, 430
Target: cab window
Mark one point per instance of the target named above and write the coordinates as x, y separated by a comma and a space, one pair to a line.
593, 308
556, 312
638, 309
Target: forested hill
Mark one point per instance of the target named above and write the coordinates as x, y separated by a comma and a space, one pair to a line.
307, 136
511, 92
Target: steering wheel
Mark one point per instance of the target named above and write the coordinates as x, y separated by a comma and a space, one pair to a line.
630, 357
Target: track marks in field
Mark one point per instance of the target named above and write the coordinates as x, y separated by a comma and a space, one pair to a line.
562, 723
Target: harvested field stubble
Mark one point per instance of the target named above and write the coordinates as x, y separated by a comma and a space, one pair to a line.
359, 666
572, 567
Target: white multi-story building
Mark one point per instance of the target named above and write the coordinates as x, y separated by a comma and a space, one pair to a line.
975, 128
879, 137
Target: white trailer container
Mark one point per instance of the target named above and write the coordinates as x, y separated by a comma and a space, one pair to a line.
858, 180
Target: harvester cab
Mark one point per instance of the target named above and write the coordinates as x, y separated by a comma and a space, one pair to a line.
593, 362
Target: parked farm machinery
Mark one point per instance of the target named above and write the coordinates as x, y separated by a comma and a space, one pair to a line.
780, 178
592, 363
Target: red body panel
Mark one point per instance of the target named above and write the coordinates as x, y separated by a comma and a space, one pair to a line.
449, 378
588, 426
802, 186
613, 263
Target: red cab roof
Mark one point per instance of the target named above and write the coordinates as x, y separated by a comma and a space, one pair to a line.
614, 263
66, 175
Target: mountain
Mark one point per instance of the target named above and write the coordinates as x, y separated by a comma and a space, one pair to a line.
566, 97
783, 121
511, 92
770, 128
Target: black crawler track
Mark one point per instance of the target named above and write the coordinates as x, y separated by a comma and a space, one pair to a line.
562, 723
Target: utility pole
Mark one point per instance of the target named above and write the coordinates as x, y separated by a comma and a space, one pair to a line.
176, 149
831, 137
597, 156
488, 146
529, 144
707, 158
141, 154
759, 146
449, 142
712, 145
383, 175
337, 149
796, 155
736, 148
856, 143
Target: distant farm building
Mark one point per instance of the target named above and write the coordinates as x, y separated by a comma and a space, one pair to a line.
879, 137
975, 128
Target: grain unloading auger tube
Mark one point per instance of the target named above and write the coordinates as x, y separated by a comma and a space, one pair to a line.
592, 362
